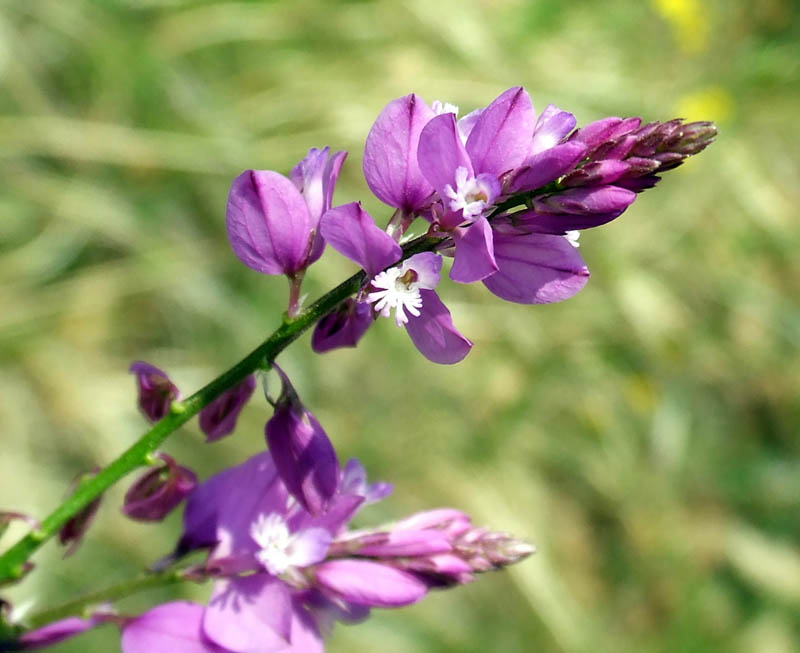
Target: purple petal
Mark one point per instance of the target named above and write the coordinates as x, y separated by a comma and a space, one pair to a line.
546, 166
596, 133
407, 543
218, 419
315, 177
351, 231
441, 570
269, 225
434, 334
390, 155
502, 136
303, 454
639, 184
340, 511
551, 127
344, 327
369, 583
428, 268
310, 546
441, 152
249, 614
598, 173
586, 201
536, 269
448, 519
56, 632
222, 509
556, 223
305, 636
173, 627
354, 481
467, 124
474, 260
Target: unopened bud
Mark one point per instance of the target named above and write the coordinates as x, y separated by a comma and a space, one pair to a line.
156, 391
73, 531
303, 454
159, 491
344, 327
218, 419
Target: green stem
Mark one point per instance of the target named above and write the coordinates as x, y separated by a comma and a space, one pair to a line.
78, 607
12, 562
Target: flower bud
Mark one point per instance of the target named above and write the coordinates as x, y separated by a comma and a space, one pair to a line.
159, 491
596, 133
73, 531
303, 454
344, 327
156, 391
596, 173
585, 201
218, 419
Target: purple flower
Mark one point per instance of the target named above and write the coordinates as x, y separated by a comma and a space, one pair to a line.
407, 289
302, 451
247, 517
467, 175
273, 221
159, 491
286, 574
218, 419
156, 391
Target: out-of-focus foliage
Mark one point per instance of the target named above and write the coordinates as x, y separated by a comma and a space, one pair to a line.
643, 434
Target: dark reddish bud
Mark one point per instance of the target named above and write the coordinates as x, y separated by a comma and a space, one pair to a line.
156, 391
159, 491
343, 327
73, 531
218, 419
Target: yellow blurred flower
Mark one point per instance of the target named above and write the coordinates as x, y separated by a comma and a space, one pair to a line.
690, 23
707, 103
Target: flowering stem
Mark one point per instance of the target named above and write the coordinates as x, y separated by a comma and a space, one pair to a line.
12, 562
79, 606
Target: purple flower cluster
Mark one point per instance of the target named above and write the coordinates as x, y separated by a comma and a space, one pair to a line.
504, 190
284, 575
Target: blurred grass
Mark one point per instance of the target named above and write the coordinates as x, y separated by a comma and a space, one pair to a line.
643, 434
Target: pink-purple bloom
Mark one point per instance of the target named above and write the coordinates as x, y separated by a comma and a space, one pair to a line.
406, 289
284, 575
218, 419
273, 221
156, 391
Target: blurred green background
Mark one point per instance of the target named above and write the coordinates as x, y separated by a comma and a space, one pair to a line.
642, 434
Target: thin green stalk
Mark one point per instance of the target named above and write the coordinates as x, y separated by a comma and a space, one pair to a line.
78, 607
12, 562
